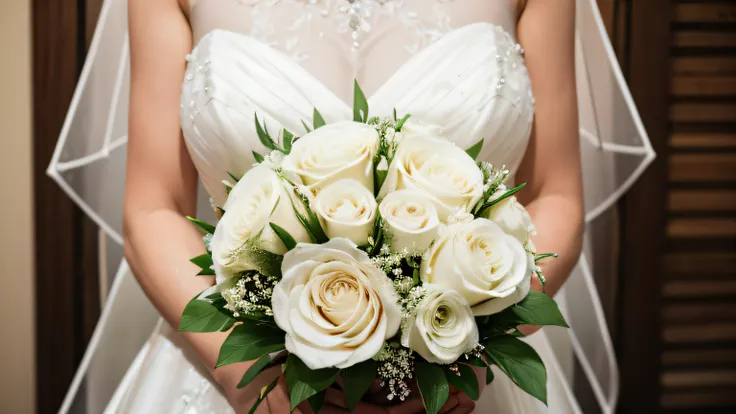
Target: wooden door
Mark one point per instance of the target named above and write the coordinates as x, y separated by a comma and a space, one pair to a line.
67, 295
677, 333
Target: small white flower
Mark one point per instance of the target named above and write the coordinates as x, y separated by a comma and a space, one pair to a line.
460, 216
346, 209
490, 269
411, 220
442, 170
336, 307
259, 198
273, 160
442, 329
333, 152
512, 217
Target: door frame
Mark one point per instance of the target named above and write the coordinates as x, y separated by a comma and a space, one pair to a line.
66, 260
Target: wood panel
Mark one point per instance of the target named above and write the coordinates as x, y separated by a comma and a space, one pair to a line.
703, 86
702, 200
714, 140
639, 341
695, 228
713, 112
700, 167
711, 263
698, 357
696, 320
691, 38
705, 12
67, 290
704, 65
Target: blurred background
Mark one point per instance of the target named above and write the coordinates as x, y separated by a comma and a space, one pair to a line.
671, 304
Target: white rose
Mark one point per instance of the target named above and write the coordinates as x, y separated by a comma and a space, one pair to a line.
336, 307
437, 166
486, 266
442, 329
332, 152
513, 218
346, 209
415, 128
411, 219
258, 198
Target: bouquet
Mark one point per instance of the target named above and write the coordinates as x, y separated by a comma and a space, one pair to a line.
377, 251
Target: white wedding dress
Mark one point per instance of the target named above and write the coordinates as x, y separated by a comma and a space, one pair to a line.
454, 63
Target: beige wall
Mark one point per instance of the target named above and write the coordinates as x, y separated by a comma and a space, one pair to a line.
17, 382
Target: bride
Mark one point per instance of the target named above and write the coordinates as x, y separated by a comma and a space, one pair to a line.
502, 70
452, 63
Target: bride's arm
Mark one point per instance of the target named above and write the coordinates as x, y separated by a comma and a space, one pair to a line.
161, 182
551, 167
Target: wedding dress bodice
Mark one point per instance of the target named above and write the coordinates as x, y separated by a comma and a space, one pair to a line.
453, 63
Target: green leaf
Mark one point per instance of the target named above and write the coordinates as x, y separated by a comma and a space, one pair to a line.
357, 380
264, 392
201, 224
288, 139
202, 316
316, 401
535, 309
360, 104
204, 262
466, 382
254, 370
263, 136
395, 116
377, 234
489, 375
249, 341
521, 363
284, 235
545, 256
474, 151
304, 382
477, 362
236, 179
433, 386
379, 174
259, 158
310, 221
317, 120
306, 127
486, 206
400, 123
538, 309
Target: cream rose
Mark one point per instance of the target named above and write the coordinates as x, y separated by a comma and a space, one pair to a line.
411, 220
258, 198
346, 209
336, 307
333, 152
513, 218
443, 327
444, 171
486, 266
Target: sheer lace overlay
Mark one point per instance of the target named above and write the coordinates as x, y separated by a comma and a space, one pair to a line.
338, 40
453, 63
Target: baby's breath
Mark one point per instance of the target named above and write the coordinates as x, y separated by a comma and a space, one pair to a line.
395, 367
250, 294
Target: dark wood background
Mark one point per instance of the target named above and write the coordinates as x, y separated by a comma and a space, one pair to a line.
676, 329
675, 322
67, 291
